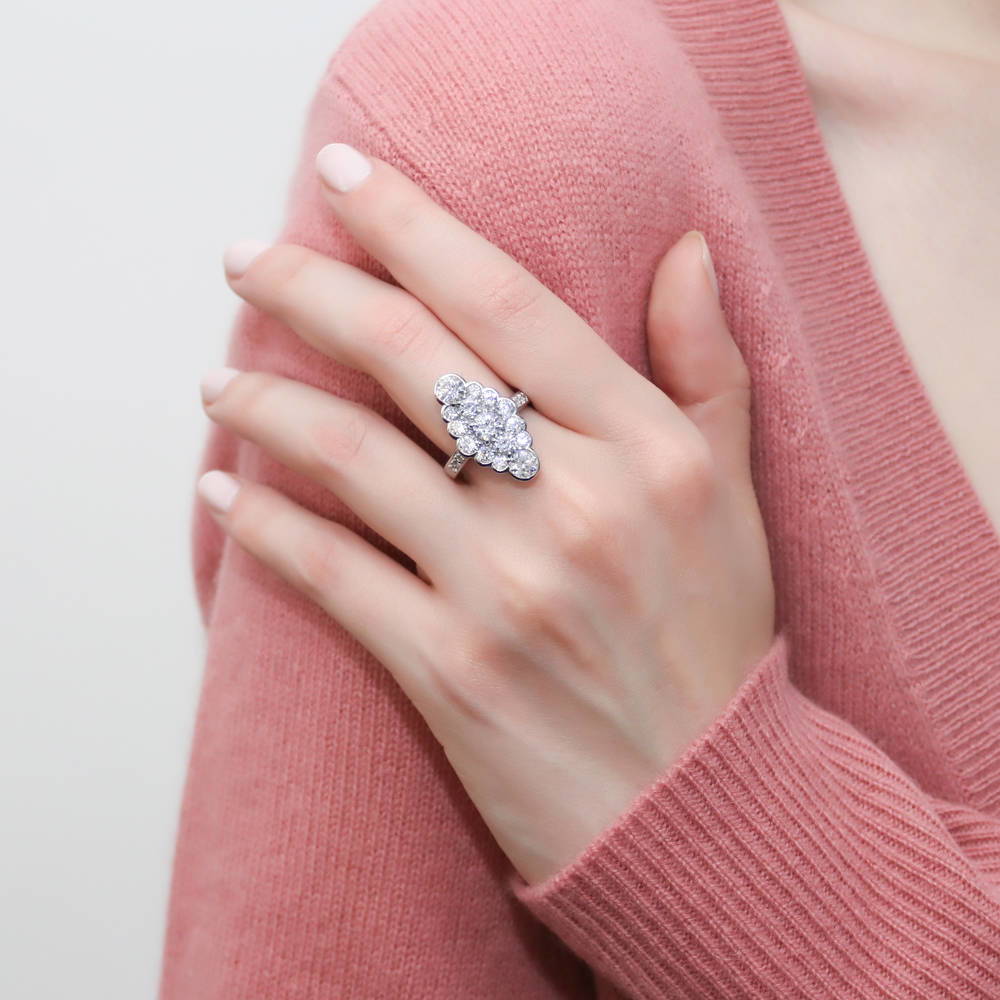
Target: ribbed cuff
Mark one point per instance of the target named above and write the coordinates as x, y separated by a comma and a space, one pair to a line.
677, 899
783, 855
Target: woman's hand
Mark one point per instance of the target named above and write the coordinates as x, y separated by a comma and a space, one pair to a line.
567, 637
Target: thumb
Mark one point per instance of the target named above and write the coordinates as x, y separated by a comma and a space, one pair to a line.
692, 355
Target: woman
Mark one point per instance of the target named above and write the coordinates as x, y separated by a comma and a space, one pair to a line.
706, 705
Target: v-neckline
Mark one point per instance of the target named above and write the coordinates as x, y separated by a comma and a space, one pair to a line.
933, 548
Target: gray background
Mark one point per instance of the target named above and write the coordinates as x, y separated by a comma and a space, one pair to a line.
137, 141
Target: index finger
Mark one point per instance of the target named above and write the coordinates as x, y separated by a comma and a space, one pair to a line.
523, 330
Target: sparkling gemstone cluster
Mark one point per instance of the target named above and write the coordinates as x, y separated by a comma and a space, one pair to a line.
486, 426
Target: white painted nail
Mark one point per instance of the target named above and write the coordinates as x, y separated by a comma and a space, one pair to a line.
342, 166
213, 382
239, 256
218, 489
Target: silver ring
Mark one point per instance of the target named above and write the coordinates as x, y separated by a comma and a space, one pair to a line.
486, 426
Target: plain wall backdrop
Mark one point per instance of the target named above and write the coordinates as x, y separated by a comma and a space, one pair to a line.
138, 141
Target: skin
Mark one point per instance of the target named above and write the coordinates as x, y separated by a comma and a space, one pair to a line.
907, 96
568, 637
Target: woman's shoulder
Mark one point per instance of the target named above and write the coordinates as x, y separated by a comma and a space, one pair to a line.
504, 28
496, 48
467, 71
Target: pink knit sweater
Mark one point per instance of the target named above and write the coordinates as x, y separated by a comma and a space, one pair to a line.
836, 831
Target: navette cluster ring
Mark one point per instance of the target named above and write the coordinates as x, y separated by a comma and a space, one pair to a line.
486, 426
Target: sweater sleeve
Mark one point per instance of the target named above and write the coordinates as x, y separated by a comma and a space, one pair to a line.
784, 854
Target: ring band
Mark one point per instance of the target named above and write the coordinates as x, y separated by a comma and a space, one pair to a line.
486, 426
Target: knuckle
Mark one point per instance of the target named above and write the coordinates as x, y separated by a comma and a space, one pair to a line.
251, 395
682, 476
278, 271
401, 329
318, 567
247, 521
393, 216
509, 294
334, 442
586, 523
526, 596
478, 645
696, 473
459, 675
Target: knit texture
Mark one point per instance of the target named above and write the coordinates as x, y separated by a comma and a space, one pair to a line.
835, 832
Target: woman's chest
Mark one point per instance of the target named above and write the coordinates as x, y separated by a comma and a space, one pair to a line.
929, 217
920, 176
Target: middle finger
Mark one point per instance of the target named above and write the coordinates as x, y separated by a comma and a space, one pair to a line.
368, 324
498, 307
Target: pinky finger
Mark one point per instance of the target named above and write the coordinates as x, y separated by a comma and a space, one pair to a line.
380, 602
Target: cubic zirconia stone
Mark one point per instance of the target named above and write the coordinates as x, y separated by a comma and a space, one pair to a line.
446, 384
486, 425
524, 464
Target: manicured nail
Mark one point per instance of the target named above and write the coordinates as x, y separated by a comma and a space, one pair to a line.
342, 166
218, 489
706, 259
213, 382
239, 256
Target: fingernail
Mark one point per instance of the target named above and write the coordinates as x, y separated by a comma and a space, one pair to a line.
239, 256
342, 166
213, 382
706, 259
218, 489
